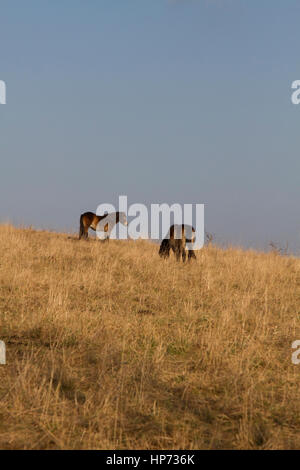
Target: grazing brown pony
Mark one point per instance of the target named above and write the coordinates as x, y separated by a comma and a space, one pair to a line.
177, 238
101, 223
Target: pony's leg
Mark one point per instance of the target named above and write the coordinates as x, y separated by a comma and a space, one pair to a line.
177, 249
84, 233
167, 252
191, 255
81, 227
183, 254
173, 248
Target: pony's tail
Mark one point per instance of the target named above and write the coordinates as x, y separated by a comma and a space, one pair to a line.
81, 227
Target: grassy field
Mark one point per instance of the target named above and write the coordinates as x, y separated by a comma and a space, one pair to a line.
110, 347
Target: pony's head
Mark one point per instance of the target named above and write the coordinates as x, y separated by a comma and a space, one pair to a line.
164, 249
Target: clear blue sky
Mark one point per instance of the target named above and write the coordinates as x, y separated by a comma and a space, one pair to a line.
164, 101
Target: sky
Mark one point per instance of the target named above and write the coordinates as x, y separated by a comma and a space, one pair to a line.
165, 101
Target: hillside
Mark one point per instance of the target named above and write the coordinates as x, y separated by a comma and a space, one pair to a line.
108, 346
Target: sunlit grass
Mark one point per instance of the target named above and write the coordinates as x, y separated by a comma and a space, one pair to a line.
108, 346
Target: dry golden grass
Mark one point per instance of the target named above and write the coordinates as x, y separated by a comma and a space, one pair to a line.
110, 347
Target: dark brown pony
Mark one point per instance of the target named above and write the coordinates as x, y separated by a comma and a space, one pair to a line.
177, 238
106, 222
